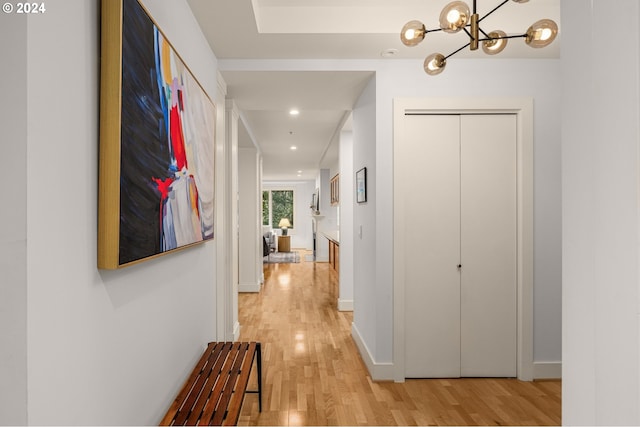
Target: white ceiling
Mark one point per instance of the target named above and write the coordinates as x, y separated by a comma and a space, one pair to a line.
329, 29
323, 99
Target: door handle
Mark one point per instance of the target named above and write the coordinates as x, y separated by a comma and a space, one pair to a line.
459, 266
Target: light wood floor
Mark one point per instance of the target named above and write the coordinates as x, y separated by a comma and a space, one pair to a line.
313, 373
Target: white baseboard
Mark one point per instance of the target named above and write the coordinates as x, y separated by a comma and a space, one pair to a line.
547, 370
249, 287
236, 331
345, 304
378, 371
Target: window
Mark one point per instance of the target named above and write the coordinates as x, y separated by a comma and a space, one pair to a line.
265, 208
277, 204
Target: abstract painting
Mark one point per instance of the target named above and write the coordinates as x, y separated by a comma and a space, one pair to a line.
156, 143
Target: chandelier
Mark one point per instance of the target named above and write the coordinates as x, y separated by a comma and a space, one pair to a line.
456, 17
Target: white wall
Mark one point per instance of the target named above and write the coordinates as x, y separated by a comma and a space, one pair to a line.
301, 233
601, 226
328, 222
104, 347
231, 230
347, 190
249, 221
226, 317
371, 320
500, 78
13, 224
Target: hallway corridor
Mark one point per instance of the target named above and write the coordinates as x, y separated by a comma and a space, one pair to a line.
313, 373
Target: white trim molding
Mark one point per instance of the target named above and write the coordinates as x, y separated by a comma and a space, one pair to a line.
236, 331
223, 298
523, 109
378, 371
345, 304
249, 287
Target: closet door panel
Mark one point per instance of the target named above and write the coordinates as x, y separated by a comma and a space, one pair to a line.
488, 246
431, 167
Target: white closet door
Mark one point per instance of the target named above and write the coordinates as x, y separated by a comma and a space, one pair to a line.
488, 246
432, 172
460, 208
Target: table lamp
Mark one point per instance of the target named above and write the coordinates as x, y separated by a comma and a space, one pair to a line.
284, 224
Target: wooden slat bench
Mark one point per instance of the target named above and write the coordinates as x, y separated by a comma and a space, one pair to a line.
214, 392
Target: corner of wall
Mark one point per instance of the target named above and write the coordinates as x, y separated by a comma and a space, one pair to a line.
378, 371
249, 287
547, 370
13, 228
345, 304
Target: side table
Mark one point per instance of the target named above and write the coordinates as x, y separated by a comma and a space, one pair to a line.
284, 243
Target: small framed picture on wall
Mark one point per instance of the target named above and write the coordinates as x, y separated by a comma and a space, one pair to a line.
361, 185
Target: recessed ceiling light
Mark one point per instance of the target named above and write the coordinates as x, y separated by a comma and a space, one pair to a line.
389, 53
299, 171
294, 112
293, 147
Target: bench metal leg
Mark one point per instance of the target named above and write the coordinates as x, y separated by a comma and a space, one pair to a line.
258, 359
259, 350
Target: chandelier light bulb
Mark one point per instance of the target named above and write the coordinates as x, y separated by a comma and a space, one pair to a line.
542, 33
412, 33
434, 64
496, 44
454, 17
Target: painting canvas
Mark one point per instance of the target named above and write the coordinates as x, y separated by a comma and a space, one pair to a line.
156, 143
315, 201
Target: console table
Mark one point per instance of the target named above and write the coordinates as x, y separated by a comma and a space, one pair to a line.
334, 249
